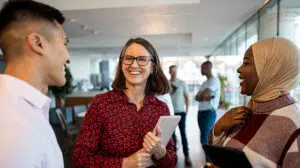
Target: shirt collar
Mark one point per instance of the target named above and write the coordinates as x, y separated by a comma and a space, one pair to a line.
269, 106
121, 96
22, 89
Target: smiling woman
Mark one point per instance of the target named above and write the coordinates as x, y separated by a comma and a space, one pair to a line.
248, 73
268, 129
156, 81
117, 129
136, 72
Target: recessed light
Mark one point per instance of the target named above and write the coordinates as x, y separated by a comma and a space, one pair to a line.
265, 2
72, 20
84, 27
95, 32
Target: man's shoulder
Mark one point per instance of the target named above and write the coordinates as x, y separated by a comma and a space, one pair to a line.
13, 120
214, 80
20, 145
17, 118
17, 130
180, 82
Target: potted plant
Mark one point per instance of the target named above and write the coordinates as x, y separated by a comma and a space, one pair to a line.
61, 93
223, 102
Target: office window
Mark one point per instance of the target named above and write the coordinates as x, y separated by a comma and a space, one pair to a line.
268, 21
289, 27
252, 31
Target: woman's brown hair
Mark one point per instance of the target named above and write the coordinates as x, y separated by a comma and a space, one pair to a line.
157, 82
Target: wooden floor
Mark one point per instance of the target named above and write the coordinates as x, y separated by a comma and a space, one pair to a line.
193, 135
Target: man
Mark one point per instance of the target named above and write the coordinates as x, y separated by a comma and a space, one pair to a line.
180, 98
208, 97
34, 46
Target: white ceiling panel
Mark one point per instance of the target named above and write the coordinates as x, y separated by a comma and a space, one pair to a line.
184, 27
204, 24
96, 4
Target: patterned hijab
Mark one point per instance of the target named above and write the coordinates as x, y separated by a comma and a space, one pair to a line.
277, 62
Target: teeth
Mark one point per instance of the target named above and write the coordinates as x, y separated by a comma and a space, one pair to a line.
135, 73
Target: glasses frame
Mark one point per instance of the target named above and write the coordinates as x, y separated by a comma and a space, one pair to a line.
137, 60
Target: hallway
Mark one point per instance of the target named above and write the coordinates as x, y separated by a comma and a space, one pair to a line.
193, 136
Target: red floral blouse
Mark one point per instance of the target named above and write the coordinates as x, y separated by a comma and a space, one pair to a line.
113, 129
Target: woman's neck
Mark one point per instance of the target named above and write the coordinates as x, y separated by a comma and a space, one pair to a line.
136, 94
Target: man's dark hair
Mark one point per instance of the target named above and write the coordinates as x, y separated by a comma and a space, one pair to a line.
208, 64
16, 15
172, 66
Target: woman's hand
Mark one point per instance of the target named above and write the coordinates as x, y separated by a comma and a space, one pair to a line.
153, 145
233, 117
139, 159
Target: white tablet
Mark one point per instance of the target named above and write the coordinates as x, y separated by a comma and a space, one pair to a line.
167, 125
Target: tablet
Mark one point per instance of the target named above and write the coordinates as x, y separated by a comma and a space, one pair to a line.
227, 157
167, 125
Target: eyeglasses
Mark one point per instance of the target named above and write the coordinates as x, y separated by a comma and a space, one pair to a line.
141, 60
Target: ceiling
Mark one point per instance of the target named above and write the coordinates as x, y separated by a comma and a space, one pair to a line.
174, 27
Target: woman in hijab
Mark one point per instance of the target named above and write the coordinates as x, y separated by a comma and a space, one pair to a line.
267, 130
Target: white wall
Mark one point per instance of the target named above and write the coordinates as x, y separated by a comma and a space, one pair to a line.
95, 65
93, 4
83, 64
80, 67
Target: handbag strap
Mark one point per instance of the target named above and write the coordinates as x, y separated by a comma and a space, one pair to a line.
294, 136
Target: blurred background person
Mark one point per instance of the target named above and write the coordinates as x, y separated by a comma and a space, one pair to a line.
180, 99
166, 98
208, 98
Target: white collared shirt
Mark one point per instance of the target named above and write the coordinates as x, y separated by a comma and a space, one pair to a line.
27, 139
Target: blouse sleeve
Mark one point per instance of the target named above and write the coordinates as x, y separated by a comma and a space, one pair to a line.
86, 153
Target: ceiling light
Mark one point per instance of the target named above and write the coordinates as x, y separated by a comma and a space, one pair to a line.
265, 2
72, 20
95, 32
156, 28
84, 27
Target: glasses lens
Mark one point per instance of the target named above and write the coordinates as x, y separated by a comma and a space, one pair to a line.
142, 60
128, 60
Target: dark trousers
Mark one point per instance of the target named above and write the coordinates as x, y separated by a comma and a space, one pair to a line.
206, 120
183, 133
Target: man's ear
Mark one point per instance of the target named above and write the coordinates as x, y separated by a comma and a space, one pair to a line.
36, 43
